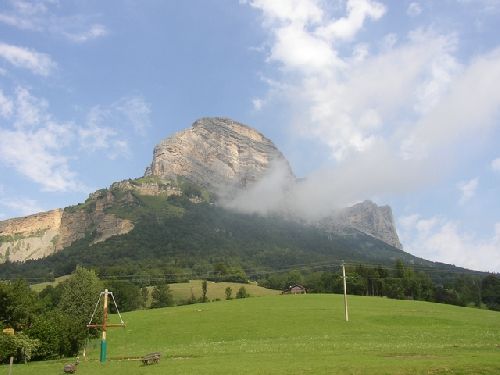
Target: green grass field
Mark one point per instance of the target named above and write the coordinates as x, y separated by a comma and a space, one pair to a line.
182, 291
41, 286
303, 334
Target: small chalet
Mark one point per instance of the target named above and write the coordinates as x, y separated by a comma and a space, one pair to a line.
295, 289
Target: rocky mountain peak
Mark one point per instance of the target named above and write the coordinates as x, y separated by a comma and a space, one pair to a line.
367, 217
217, 153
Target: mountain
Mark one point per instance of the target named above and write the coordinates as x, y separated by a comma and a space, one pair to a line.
217, 153
366, 217
179, 201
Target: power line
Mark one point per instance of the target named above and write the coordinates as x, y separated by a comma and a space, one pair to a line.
262, 272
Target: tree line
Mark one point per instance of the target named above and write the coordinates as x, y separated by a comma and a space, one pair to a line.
399, 282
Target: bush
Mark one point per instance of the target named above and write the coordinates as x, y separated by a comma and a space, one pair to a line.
242, 293
229, 292
162, 296
19, 346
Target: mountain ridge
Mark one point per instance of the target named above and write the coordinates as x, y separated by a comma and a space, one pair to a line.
214, 159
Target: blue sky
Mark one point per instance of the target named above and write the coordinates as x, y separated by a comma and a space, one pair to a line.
396, 101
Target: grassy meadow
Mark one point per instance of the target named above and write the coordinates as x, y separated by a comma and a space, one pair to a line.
182, 291
41, 286
303, 334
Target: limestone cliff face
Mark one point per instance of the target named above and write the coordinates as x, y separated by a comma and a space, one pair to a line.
149, 188
37, 236
217, 153
367, 217
31, 237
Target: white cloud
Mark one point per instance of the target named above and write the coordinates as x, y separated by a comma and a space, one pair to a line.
302, 37
6, 105
37, 146
443, 240
495, 165
40, 16
299, 49
406, 104
95, 31
36, 62
414, 9
36, 155
30, 110
18, 22
486, 6
468, 189
469, 107
95, 135
257, 103
33, 144
136, 111
25, 15
345, 28
21, 206
105, 126
294, 11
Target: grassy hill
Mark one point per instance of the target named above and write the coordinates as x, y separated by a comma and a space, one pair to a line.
300, 335
182, 291
41, 286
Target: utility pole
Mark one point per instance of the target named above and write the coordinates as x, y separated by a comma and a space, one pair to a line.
105, 325
345, 293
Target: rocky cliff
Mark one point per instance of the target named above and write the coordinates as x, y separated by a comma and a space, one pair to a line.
368, 218
217, 153
37, 236
31, 237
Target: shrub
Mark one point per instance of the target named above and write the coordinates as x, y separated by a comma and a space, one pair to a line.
242, 293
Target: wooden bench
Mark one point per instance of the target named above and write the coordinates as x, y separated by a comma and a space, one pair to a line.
151, 358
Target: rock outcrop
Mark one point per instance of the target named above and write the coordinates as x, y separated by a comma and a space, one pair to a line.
37, 236
367, 217
31, 237
219, 154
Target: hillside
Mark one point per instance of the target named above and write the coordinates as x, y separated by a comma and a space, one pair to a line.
301, 335
185, 236
182, 291
217, 161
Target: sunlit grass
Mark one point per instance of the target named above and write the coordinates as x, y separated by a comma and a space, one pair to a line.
303, 334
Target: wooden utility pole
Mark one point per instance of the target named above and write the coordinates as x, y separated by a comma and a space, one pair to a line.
104, 326
345, 293
11, 362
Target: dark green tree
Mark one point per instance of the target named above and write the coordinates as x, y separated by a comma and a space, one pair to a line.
52, 329
490, 289
162, 296
128, 295
78, 299
51, 295
19, 305
228, 292
204, 290
242, 293
144, 296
